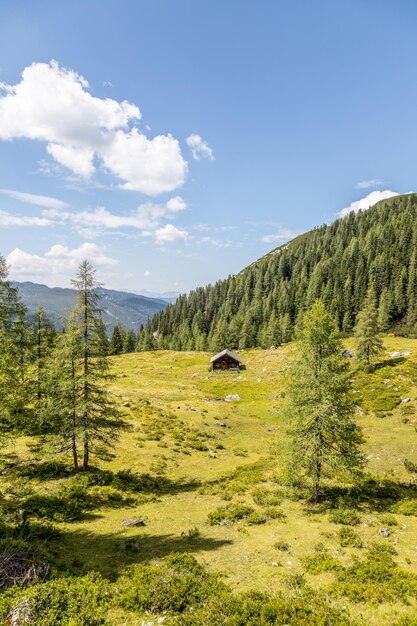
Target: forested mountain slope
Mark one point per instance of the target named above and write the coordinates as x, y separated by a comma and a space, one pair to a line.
336, 262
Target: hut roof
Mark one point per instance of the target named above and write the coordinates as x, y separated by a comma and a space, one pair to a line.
224, 353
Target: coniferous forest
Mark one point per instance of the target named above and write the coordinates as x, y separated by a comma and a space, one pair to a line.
336, 263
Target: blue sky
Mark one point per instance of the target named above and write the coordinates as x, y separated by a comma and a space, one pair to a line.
174, 142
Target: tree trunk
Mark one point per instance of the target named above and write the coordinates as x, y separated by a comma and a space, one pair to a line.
316, 482
74, 452
86, 454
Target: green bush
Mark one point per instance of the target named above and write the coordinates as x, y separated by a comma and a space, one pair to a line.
320, 561
265, 497
282, 545
407, 506
59, 602
256, 518
231, 512
174, 585
258, 609
376, 579
275, 513
347, 517
348, 537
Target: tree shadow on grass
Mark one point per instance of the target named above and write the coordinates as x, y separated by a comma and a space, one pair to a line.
371, 495
390, 362
81, 551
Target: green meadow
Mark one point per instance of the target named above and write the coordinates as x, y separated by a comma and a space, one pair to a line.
205, 476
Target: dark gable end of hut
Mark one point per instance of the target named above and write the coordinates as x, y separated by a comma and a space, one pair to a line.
226, 360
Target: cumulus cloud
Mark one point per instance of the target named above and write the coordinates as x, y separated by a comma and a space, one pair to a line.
280, 236
147, 274
199, 148
37, 200
368, 201
169, 233
368, 184
52, 104
56, 265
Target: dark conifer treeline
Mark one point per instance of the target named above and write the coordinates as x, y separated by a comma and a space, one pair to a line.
335, 263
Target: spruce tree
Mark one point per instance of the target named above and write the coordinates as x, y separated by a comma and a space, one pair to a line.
368, 342
116, 341
96, 411
323, 433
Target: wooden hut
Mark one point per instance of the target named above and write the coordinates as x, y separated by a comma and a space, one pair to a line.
225, 360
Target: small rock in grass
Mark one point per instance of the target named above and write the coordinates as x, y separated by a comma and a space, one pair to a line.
123, 375
126, 404
133, 521
222, 424
405, 400
384, 532
232, 397
212, 455
225, 522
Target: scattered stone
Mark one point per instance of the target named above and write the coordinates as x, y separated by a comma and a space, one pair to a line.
232, 397
279, 395
385, 532
123, 375
259, 380
133, 521
405, 400
125, 403
145, 402
212, 455
358, 409
347, 354
396, 540
397, 355
222, 424
274, 564
225, 522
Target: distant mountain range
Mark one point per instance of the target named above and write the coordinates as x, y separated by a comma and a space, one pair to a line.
168, 296
130, 309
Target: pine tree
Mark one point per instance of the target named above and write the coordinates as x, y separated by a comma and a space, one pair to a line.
323, 433
96, 411
116, 341
102, 344
368, 342
63, 390
129, 343
42, 339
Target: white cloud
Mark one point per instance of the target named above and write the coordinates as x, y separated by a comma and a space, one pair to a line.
366, 202
52, 104
176, 204
367, 184
147, 216
169, 233
37, 200
199, 148
7, 219
281, 236
147, 274
217, 243
58, 265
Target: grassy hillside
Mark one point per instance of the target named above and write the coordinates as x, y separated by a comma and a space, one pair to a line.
196, 460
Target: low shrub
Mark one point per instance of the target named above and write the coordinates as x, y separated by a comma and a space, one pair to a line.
275, 513
256, 518
347, 517
231, 512
320, 561
63, 602
282, 545
265, 497
407, 506
174, 585
376, 579
349, 538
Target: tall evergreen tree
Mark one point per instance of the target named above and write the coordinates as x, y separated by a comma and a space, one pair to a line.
323, 433
96, 411
368, 342
116, 341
